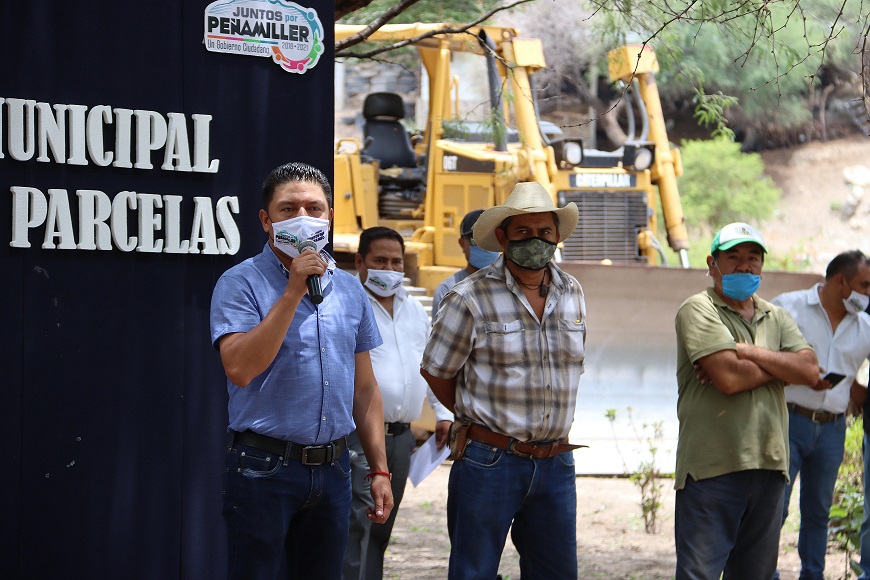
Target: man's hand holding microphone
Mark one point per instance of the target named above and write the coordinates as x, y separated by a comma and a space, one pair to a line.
306, 270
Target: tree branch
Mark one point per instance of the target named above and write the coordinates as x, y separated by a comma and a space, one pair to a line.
374, 25
340, 48
865, 69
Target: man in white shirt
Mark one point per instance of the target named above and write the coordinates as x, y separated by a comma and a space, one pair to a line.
831, 318
404, 327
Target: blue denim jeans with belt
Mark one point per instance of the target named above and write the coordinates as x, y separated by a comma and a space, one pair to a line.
816, 452
285, 521
729, 525
490, 489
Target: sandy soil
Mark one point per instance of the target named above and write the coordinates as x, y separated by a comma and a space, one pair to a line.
611, 541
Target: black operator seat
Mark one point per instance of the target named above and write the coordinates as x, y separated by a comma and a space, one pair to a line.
385, 137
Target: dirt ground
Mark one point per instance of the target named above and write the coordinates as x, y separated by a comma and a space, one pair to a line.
810, 224
611, 541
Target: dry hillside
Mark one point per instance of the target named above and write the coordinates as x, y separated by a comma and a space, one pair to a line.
810, 223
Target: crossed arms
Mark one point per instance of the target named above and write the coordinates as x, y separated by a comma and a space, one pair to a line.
751, 366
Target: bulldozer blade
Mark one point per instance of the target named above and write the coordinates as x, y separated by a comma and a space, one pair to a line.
631, 360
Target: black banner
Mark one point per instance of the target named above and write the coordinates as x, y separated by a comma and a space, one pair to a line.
114, 402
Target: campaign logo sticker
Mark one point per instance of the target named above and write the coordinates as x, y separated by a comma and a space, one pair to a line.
376, 281
285, 237
285, 31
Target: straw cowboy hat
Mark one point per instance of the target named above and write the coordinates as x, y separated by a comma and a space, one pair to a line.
527, 197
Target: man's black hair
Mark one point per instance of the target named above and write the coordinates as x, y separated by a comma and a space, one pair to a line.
846, 264
466, 227
294, 171
378, 233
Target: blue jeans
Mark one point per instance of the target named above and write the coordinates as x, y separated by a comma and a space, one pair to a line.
865, 525
816, 452
729, 524
490, 489
285, 521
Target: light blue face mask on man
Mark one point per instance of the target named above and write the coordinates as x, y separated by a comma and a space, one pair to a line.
480, 258
739, 286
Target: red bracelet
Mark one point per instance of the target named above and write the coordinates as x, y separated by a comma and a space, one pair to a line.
373, 473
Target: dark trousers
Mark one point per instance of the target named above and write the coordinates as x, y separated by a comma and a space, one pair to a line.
367, 542
285, 521
729, 524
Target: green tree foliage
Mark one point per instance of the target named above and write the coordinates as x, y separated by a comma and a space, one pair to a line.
722, 185
780, 58
772, 55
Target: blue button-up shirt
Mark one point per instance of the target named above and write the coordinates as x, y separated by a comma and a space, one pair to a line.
306, 394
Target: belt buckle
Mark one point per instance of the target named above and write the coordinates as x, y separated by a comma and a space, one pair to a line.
328, 452
511, 448
819, 413
304, 456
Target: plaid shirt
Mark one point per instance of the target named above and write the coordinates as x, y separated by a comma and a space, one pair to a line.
515, 375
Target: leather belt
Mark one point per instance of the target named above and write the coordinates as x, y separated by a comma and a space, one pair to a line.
396, 428
814, 416
524, 449
305, 454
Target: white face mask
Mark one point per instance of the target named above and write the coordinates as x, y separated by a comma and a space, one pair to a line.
289, 233
856, 302
384, 283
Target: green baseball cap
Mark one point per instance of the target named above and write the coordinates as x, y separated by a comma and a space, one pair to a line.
736, 233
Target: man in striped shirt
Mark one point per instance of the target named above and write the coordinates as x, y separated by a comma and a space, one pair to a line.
506, 354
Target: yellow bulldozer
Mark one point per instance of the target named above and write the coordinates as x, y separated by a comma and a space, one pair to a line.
423, 184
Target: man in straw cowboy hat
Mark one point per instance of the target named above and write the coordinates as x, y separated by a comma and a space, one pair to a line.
506, 354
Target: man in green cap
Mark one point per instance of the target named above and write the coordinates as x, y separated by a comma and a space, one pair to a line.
735, 354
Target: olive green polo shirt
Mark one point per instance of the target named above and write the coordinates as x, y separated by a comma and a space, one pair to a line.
722, 433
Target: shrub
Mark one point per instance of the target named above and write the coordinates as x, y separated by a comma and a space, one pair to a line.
721, 185
847, 509
647, 476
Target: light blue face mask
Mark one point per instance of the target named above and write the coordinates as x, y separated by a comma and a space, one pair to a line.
740, 286
480, 258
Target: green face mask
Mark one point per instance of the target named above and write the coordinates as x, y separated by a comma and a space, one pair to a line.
531, 253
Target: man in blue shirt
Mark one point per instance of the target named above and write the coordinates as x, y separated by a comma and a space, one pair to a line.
299, 379
475, 257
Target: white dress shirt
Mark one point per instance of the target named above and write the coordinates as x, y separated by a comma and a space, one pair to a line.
841, 352
397, 361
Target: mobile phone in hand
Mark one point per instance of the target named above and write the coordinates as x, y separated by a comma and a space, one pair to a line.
834, 378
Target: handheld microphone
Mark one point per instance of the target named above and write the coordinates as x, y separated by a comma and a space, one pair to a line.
313, 281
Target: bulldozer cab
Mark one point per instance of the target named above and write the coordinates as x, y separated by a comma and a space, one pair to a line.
402, 175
